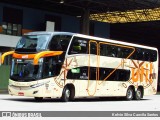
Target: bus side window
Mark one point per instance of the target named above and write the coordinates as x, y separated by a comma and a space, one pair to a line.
105, 73
59, 42
119, 52
46, 71
73, 75
112, 51
118, 75
126, 52
78, 46
113, 76
103, 49
123, 75
55, 44
153, 56
52, 66
109, 49
92, 73
146, 56
139, 54
93, 48
101, 73
84, 73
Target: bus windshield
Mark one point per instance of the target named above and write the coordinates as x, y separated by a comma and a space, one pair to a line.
60, 42
24, 70
33, 43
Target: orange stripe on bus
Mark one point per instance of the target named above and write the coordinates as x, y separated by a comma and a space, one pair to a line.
24, 56
45, 54
37, 56
6, 54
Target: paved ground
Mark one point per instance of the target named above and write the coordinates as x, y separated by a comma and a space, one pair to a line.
14, 103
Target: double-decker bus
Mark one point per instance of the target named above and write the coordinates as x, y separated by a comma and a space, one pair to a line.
69, 65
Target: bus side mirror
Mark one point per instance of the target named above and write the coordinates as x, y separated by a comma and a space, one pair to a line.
45, 54
4, 55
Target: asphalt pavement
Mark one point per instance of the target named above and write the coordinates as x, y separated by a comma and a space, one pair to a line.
20, 103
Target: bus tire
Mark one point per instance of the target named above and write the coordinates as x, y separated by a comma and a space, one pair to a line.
129, 93
38, 99
138, 94
66, 95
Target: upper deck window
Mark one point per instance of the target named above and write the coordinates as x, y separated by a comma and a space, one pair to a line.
79, 46
33, 43
59, 42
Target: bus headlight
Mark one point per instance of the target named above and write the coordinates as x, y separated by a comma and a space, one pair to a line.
37, 85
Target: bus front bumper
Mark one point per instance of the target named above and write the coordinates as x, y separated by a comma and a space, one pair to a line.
27, 91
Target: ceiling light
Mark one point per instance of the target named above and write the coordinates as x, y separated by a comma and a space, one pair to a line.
128, 16
62, 1
78, 16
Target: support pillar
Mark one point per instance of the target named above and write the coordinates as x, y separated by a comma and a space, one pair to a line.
85, 22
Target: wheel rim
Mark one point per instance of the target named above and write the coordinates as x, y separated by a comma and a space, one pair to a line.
67, 93
138, 94
129, 94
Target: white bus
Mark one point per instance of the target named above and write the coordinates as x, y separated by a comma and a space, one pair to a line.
69, 65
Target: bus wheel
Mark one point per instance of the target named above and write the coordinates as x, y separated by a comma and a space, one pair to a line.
138, 94
66, 94
129, 94
39, 99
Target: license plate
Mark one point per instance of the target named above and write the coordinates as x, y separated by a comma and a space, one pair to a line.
21, 94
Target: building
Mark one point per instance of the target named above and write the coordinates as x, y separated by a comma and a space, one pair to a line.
16, 20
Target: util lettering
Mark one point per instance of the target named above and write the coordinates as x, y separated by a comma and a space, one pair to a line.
25, 56
143, 72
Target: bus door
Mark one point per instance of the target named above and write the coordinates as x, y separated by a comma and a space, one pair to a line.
93, 75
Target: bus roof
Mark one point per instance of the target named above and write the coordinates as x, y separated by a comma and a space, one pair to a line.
115, 41
91, 37
51, 33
